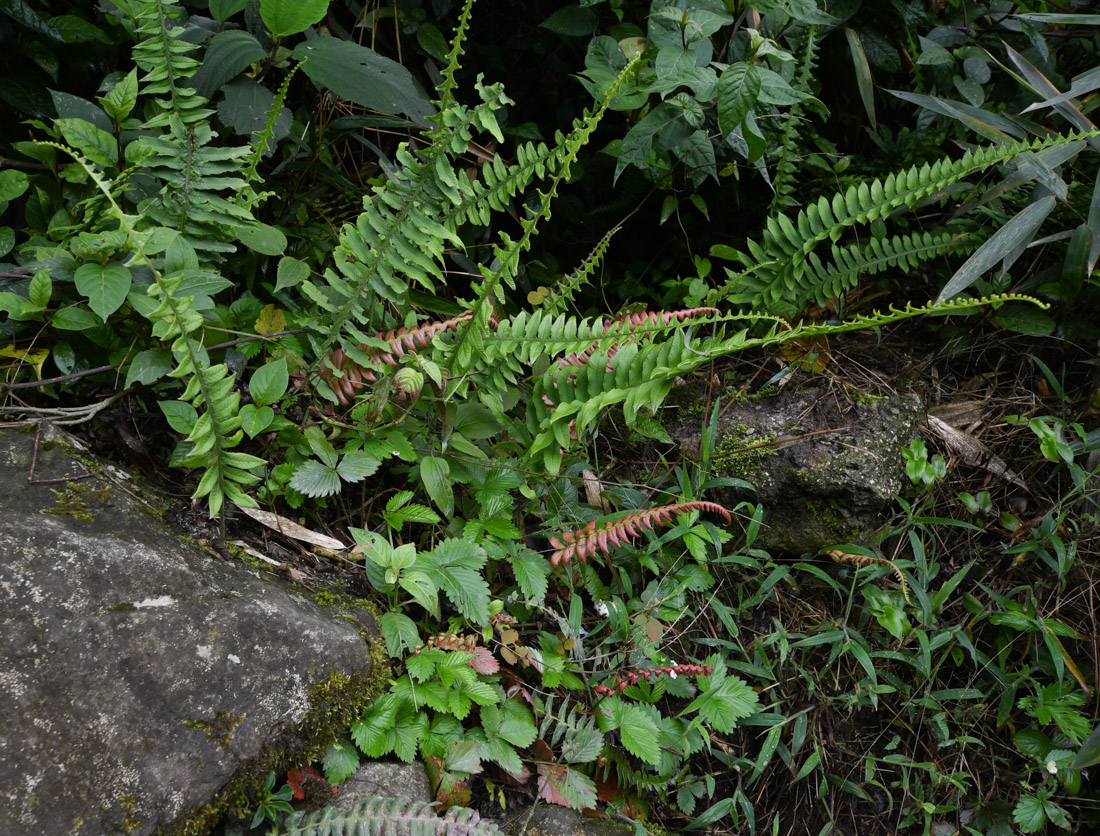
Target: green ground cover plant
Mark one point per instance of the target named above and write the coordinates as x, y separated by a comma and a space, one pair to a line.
379, 336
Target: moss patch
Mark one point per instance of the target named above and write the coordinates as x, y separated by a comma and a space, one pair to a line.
739, 452
220, 728
79, 500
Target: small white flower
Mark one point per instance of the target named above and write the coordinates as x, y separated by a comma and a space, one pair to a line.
672, 674
1052, 767
601, 609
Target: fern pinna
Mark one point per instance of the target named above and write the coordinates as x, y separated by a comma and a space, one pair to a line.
600, 537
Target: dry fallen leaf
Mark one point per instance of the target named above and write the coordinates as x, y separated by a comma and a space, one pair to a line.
974, 453
289, 528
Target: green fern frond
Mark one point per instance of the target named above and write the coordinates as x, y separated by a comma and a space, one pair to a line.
567, 401
562, 293
784, 182
390, 817
196, 175
266, 137
210, 389
447, 86
166, 60
777, 266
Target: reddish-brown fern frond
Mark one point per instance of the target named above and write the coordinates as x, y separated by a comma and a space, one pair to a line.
401, 341
592, 539
635, 320
861, 561
641, 318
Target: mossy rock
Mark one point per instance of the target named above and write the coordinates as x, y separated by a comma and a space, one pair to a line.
150, 686
825, 462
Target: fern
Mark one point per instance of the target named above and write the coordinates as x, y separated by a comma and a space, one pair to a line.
390, 817
779, 268
167, 63
562, 293
787, 168
595, 538
862, 561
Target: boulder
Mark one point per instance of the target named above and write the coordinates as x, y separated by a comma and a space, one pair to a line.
826, 462
148, 685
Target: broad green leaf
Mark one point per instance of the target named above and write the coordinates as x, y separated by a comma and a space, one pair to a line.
360, 75
256, 419
289, 17
1020, 229
665, 123
74, 318
422, 589
435, 473
149, 366
122, 98
400, 634
12, 184
462, 756
40, 289
1025, 319
7, 240
227, 55
639, 734
738, 89
70, 107
291, 273
94, 143
262, 238
1089, 753
571, 21
222, 10
181, 416
105, 285
269, 382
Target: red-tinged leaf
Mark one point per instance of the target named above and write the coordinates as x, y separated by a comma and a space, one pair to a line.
607, 789
484, 661
591, 539
450, 792
558, 784
294, 778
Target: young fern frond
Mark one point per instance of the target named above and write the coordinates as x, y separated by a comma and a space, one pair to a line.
561, 293
445, 91
778, 268
264, 139
862, 561
787, 167
600, 536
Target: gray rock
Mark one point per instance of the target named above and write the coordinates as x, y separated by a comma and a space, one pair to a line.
835, 484
147, 685
385, 779
551, 820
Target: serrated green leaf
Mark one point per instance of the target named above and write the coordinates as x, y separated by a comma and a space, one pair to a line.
517, 726
1029, 814
314, 479
340, 761
357, 466
531, 570
639, 734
